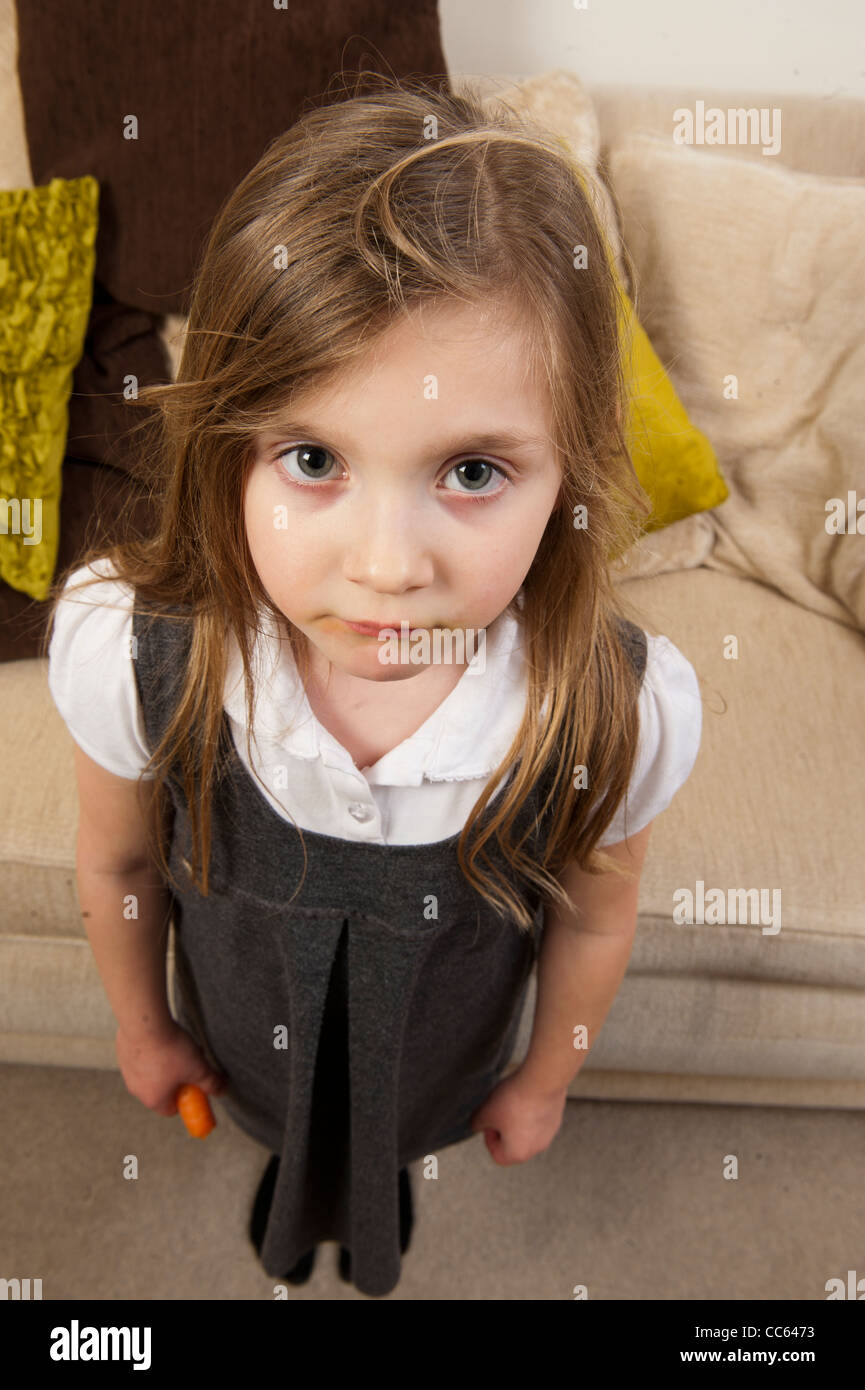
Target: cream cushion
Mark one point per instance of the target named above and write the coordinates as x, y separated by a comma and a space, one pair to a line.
751, 270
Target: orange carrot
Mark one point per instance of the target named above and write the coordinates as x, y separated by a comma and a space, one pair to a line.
195, 1111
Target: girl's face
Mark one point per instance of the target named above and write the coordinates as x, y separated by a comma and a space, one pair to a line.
394, 496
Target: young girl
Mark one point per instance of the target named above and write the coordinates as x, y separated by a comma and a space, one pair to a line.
400, 402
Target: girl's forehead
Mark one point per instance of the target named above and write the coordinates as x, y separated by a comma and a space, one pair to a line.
496, 335
455, 328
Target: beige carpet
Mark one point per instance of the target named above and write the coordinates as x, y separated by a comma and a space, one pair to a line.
630, 1200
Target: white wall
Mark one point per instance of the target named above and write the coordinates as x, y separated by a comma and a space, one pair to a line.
782, 46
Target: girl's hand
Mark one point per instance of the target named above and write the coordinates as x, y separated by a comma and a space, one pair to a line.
518, 1122
154, 1069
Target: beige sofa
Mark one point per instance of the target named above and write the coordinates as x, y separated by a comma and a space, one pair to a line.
747, 271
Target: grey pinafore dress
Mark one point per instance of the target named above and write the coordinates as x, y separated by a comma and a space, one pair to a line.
361, 1020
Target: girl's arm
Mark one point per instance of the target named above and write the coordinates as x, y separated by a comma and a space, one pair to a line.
582, 961
124, 903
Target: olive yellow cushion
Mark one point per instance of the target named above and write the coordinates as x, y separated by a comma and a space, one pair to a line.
47, 261
674, 461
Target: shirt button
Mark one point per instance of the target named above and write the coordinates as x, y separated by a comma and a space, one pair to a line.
360, 810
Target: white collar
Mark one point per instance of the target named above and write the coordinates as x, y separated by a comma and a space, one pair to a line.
465, 738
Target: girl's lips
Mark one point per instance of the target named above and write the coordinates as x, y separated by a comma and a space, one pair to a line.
373, 629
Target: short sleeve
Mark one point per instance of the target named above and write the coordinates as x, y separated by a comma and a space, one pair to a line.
671, 725
90, 671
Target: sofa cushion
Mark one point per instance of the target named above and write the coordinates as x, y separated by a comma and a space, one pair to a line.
750, 285
672, 458
774, 803
47, 236
775, 797
822, 133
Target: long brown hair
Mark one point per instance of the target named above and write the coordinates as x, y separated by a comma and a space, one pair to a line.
361, 210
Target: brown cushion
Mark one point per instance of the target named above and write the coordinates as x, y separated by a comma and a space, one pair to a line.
210, 87
120, 342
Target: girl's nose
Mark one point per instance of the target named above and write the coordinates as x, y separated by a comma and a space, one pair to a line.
388, 550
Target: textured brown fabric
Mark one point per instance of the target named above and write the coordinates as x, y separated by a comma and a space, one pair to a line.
210, 87
120, 342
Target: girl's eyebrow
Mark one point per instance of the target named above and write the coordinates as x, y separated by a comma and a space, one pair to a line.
461, 443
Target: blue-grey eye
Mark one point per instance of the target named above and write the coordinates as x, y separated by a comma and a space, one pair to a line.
310, 458
475, 482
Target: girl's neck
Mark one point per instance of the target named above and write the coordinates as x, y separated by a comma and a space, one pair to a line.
371, 718
429, 686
